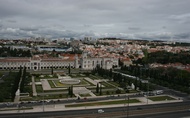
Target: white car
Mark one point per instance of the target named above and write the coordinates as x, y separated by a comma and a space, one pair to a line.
100, 111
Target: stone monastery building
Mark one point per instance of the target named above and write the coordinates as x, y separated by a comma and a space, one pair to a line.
63, 61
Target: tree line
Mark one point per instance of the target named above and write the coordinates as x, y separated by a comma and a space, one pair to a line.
123, 81
20, 82
169, 77
8, 52
165, 57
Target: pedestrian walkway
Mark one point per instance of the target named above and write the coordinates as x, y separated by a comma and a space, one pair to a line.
17, 94
92, 94
144, 100
45, 84
82, 90
33, 87
114, 85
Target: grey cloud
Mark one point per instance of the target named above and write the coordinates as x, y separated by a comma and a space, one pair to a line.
11, 21
164, 27
71, 18
29, 29
182, 36
87, 25
134, 28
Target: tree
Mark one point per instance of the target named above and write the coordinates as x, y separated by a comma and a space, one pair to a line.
97, 88
136, 84
52, 70
122, 85
118, 91
120, 63
115, 77
100, 89
127, 90
110, 73
119, 77
71, 93
140, 85
23, 80
16, 84
69, 69
107, 92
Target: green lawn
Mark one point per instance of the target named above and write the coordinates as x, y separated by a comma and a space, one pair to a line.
51, 83
107, 85
110, 92
114, 83
89, 83
133, 91
77, 75
60, 90
1, 74
21, 108
104, 103
96, 77
46, 97
37, 78
161, 98
39, 88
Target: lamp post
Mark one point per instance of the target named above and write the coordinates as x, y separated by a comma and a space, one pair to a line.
146, 82
128, 106
147, 92
43, 100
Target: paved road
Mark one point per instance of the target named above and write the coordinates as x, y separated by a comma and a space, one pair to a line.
133, 111
172, 92
179, 114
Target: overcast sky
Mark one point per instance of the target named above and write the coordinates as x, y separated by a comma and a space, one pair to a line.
142, 19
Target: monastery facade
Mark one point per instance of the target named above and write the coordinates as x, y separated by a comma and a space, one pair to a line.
63, 61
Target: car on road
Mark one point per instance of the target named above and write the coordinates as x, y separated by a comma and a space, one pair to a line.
100, 111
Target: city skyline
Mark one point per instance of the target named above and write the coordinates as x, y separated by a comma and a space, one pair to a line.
137, 19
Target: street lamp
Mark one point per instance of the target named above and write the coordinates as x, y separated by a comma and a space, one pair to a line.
128, 106
146, 82
126, 98
43, 100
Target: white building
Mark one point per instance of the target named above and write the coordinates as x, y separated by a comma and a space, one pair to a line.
37, 63
63, 61
91, 62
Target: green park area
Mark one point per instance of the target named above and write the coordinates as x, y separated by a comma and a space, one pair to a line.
161, 98
104, 103
21, 108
